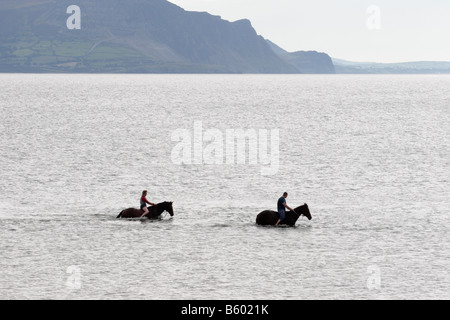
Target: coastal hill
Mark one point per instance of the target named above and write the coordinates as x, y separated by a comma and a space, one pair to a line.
306, 61
136, 36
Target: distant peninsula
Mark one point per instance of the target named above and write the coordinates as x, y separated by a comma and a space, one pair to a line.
417, 67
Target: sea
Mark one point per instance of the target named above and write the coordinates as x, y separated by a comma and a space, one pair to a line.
369, 154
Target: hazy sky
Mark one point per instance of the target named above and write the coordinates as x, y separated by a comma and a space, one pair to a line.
358, 30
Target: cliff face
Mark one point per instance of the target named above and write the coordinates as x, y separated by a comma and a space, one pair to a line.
311, 62
129, 36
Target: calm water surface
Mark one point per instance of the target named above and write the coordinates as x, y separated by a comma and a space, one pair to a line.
369, 154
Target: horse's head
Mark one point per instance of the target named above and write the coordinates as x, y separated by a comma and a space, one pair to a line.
304, 210
168, 206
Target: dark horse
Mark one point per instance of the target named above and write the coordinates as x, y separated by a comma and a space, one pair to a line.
270, 218
153, 211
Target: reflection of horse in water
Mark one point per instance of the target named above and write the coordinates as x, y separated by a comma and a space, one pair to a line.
153, 211
270, 218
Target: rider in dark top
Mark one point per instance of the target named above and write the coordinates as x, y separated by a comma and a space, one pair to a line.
282, 205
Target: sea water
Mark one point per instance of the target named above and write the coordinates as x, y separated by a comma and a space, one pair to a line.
370, 155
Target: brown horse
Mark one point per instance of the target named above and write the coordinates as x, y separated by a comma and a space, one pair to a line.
270, 218
153, 211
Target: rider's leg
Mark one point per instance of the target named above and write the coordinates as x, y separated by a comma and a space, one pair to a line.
145, 209
282, 217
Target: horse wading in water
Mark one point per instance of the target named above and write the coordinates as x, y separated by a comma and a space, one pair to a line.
154, 211
270, 218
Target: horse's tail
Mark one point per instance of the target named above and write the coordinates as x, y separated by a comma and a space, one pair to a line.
120, 215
